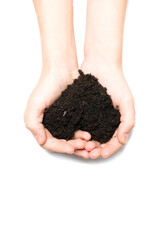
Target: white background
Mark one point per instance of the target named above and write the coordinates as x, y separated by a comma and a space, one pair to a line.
55, 196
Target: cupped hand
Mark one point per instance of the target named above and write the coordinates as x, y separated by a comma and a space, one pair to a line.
112, 77
47, 90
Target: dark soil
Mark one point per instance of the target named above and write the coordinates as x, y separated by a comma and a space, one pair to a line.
83, 105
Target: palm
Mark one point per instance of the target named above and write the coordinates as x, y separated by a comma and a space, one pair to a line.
44, 94
113, 79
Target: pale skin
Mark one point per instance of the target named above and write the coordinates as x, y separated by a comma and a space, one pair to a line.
102, 58
59, 68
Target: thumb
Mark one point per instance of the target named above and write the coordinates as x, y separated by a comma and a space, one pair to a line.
127, 111
33, 122
38, 132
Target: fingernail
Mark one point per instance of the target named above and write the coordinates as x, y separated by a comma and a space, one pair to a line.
124, 138
105, 154
87, 136
39, 139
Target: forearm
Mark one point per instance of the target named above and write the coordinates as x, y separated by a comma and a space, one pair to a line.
104, 33
55, 20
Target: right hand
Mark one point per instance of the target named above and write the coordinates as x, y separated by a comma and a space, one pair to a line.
47, 90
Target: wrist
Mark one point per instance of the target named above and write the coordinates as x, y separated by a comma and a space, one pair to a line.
60, 62
59, 54
100, 55
101, 62
102, 49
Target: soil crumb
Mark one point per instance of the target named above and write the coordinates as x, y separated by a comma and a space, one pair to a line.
83, 105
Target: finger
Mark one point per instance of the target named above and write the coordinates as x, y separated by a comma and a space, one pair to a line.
95, 153
57, 145
110, 148
33, 116
91, 145
77, 143
82, 153
127, 111
37, 130
82, 135
39, 133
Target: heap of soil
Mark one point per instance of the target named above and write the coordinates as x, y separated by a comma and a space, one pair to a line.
83, 105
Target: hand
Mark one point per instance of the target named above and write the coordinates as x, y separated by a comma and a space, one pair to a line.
47, 90
112, 78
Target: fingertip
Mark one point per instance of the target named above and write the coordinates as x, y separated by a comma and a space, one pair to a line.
95, 153
81, 144
79, 134
104, 154
86, 155
110, 148
41, 137
120, 133
90, 146
87, 136
124, 129
122, 138
82, 153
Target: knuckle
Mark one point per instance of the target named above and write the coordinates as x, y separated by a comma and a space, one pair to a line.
35, 100
132, 123
78, 143
29, 125
130, 99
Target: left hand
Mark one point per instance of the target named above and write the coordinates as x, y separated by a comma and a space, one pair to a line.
113, 79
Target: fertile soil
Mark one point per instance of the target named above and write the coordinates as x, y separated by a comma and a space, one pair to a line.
83, 105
